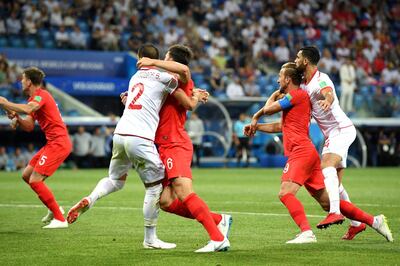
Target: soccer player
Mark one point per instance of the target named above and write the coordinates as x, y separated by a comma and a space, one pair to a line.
338, 130
42, 108
176, 152
303, 165
133, 145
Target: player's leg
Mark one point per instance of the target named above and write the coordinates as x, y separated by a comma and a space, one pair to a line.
44, 164
355, 226
183, 188
287, 196
169, 202
117, 174
146, 160
36, 182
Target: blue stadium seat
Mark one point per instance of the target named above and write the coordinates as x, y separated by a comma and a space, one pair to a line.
16, 42
30, 42
83, 25
3, 41
49, 44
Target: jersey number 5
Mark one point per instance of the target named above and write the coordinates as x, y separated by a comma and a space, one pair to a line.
139, 88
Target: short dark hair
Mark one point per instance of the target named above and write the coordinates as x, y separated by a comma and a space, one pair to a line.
290, 70
148, 50
35, 75
311, 53
180, 53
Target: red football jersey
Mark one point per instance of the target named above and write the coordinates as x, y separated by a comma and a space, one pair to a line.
48, 116
295, 123
171, 127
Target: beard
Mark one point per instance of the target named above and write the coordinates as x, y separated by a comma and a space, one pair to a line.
301, 67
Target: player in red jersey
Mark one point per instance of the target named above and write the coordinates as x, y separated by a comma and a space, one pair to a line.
42, 108
303, 165
176, 151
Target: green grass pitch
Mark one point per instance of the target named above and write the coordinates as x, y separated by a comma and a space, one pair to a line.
111, 233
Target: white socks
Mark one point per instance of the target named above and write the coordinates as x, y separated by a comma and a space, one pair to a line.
332, 186
151, 209
344, 196
105, 187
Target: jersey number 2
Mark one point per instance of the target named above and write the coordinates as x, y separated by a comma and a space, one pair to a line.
139, 88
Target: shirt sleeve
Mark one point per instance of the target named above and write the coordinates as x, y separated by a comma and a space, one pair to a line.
39, 100
170, 81
325, 83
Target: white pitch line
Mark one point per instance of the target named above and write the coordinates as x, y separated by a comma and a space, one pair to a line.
136, 209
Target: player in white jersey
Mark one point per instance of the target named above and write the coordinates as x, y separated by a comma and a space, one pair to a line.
133, 145
339, 134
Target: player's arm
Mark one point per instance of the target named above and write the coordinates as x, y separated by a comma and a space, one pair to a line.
328, 98
19, 108
190, 103
171, 66
275, 127
277, 95
26, 124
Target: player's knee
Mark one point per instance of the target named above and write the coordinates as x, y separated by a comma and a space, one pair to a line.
25, 178
118, 184
282, 193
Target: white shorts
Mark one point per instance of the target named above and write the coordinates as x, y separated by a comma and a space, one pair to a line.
140, 153
339, 141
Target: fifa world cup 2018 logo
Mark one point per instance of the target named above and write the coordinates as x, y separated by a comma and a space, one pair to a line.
286, 169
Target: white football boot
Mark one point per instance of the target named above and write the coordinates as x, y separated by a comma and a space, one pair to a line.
56, 224
224, 225
382, 227
303, 238
49, 216
215, 246
158, 244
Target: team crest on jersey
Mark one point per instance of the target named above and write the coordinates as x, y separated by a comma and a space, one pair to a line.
322, 84
286, 169
37, 98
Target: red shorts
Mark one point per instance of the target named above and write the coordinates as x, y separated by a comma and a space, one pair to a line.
50, 157
177, 158
305, 171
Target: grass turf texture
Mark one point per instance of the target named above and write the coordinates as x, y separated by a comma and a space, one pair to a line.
112, 233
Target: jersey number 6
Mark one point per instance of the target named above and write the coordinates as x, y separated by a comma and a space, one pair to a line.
139, 88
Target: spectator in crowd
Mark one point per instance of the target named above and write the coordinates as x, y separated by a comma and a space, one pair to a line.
19, 160
195, 130
241, 141
234, 88
384, 103
81, 147
3, 158
97, 148
62, 38
30, 152
77, 39
347, 84
250, 87
13, 24
387, 145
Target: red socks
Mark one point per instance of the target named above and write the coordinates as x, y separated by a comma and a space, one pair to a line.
349, 210
296, 210
178, 208
199, 209
46, 196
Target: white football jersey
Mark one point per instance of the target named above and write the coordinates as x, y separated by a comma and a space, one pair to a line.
147, 91
332, 119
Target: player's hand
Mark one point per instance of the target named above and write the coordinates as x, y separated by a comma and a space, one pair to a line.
248, 131
201, 95
325, 104
144, 61
253, 126
2, 100
124, 97
11, 114
14, 123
